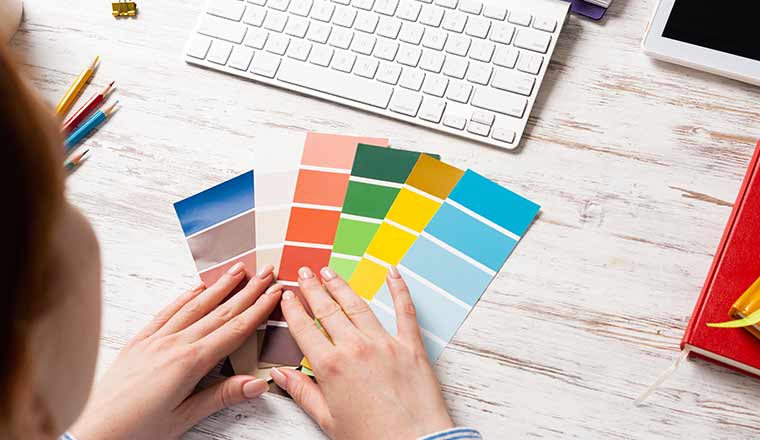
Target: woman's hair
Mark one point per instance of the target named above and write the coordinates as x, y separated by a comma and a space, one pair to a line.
31, 186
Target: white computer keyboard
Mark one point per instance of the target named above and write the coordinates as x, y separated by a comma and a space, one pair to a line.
458, 66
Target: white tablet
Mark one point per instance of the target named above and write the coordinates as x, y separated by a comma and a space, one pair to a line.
715, 36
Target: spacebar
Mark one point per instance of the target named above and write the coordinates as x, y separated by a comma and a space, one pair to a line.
335, 83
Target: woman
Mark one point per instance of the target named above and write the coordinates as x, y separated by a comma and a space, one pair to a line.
50, 313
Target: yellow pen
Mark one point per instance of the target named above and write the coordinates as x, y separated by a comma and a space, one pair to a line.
76, 88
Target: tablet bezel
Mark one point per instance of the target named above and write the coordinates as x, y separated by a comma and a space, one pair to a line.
691, 55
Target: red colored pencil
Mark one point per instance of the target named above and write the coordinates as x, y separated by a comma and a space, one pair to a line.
88, 107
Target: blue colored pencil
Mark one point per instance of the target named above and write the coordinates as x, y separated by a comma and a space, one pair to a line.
90, 125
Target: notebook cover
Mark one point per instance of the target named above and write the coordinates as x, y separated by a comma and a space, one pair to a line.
735, 268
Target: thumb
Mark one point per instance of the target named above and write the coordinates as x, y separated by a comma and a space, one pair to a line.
229, 392
306, 394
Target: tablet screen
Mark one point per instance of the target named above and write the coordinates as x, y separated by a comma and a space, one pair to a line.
714, 25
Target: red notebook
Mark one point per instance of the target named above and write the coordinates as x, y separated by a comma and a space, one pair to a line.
735, 268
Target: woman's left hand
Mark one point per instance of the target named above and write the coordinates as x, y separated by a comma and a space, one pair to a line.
149, 391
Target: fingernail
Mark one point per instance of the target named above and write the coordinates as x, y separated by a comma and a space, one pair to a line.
280, 379
236, 269
264, 271
305, 273
199, 287
328, 274
274, 288
255, 388
288, 295
393, 272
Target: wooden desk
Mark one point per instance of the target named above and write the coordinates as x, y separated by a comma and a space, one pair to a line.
636, 164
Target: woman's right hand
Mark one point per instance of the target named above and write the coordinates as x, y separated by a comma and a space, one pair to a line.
371, 385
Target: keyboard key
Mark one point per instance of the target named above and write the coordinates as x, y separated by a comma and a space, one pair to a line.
409, 10
241, 58
533, 40
230, 9
454, 21
432, 61
520, 17
503, 134
482, 51
277, 44
411, 33
363, 44
255, 16
455, 67
483, 117
344, 16
258, 2
431, 16
341, 38
512, 81
256, 38
366, 67
386, 50
500, 102
276, 21
450, 4
459, 91
280, 5
471, 6
366, 22
411, 79
505, 57
265, 64
223, 29
318, 32
199, 46
406, 102
502, 33
334, 83
386, 7
301, 7
435, 85
323, 11
478, 128
432, 109
458, 45
545, 24
479, 73
496, 12
299, 50
389, 73
455, 121
343, 61
477, 27
408, 55
342, 2
297, 27
389, 27
321, 55
364, 4
530, 62
434, 39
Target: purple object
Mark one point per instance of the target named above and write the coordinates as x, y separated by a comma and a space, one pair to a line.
585, 8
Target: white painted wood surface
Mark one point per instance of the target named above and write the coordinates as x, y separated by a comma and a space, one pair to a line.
635, 162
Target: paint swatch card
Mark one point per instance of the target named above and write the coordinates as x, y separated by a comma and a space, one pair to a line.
220, 227
429, 182
320, 189
377, 176
456, 256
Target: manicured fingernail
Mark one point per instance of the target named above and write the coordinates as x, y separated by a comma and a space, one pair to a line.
393, 272
305, 273
236, 269
264, 271
274, 288
279, 378
255, 388
200, 287
288, 295
328, 274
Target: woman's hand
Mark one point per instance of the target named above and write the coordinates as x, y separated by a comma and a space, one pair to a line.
371, 385
149, 391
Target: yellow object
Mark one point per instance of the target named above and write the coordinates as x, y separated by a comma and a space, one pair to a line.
75, 89
367, 278
411, 210
124, 8
390, 244
745, 311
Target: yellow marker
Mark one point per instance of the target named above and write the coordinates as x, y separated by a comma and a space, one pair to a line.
76, 88
745, 311
124, 8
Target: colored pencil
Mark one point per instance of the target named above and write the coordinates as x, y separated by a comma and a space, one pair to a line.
86, 109
97, 119
76, 88
75, 161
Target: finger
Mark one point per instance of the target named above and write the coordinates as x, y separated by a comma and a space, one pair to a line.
230, 336
224, 394
305, 393
309, 338
164, 315
234, 306
325, 309
352, 304
205, 302
406, 314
